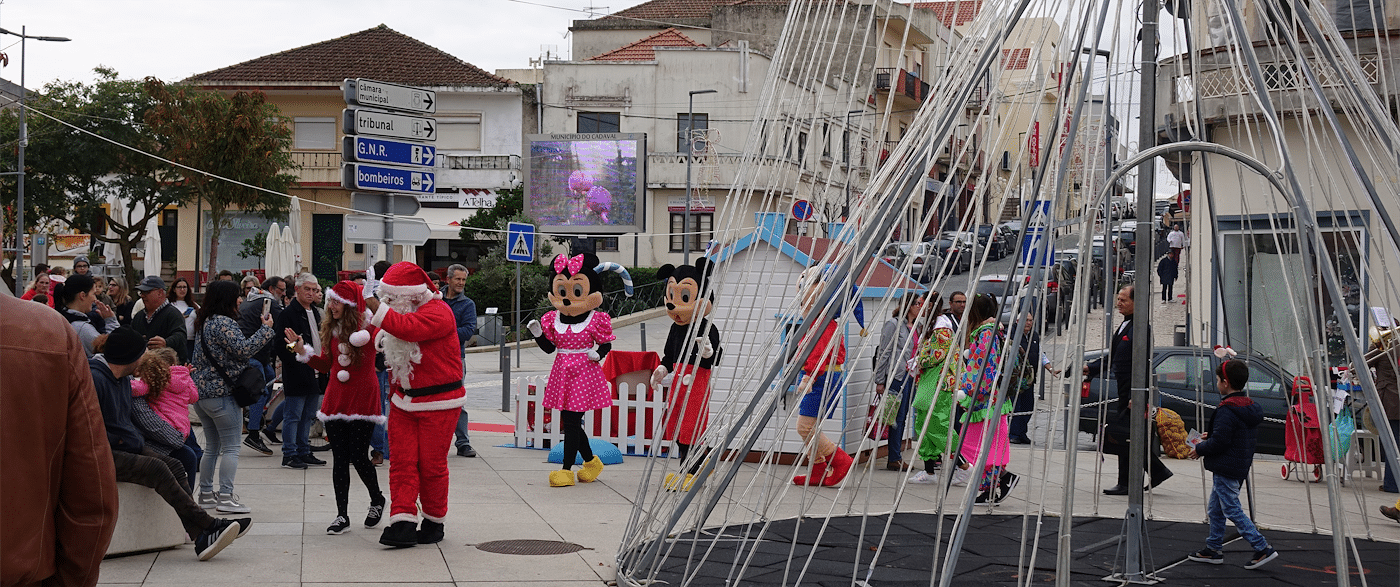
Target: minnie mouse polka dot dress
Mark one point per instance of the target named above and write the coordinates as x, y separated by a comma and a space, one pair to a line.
576, 384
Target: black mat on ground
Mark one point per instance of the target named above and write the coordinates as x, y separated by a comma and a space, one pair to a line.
816, 551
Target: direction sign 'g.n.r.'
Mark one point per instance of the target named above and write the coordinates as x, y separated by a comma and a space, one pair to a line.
372, 150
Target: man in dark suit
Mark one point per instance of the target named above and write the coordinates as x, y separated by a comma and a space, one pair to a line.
1119, 361
301, 385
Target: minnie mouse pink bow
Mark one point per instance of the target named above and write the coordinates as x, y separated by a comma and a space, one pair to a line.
573, 264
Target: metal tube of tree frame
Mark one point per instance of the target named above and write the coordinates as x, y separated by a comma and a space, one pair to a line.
689, 156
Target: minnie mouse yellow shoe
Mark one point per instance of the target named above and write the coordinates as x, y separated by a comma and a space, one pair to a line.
561, 478
590, 470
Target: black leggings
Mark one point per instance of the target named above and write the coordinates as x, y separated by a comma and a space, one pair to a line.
350, 446
685, 453
575, 439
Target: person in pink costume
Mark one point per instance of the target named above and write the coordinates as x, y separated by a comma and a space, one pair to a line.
174, 392
420, 348
351, 407
582, 336
165, 387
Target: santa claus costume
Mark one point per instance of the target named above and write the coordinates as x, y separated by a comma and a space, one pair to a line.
426, 394
350, 409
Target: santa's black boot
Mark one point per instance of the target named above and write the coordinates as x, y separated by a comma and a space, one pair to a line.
430, 532
401, 534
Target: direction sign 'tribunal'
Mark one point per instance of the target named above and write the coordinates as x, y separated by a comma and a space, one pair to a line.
358, 121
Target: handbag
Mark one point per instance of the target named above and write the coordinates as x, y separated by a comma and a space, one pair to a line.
247, 388
875, 429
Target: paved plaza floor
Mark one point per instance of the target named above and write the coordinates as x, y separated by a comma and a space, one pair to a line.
504, 495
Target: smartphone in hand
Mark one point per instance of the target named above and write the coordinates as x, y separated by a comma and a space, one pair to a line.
267, 306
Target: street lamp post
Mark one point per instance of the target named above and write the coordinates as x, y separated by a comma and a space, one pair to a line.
846, 160
23, 140
689, 157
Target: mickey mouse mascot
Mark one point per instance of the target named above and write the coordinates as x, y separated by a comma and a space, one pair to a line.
425, 375
688, 403
582, 336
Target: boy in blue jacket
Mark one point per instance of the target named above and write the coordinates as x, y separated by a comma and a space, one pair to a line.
1229, 451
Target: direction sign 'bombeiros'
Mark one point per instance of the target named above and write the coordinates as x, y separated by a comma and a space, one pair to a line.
359, 176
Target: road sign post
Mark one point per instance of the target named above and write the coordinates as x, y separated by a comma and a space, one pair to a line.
369, 160
520, 248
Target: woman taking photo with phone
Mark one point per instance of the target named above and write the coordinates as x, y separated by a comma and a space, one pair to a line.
217, 338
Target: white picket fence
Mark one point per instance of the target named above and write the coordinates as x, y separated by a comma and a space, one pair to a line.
634, 426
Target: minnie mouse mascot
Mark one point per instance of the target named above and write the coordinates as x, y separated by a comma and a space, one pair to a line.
688, 409
582, 336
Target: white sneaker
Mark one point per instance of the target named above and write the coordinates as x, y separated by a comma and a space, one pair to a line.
960, 476
923, 478
207, 500
228, 504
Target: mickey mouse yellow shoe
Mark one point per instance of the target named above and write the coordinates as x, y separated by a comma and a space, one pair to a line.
671, 483
590, 470
561, 478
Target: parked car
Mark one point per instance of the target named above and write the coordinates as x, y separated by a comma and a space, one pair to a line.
1010, 289
924, 260
955, 250
1186, 375
988, 236
1126, 233
975, 248
1069, 262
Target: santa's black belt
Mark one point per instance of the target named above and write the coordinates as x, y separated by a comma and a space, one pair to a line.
430, 390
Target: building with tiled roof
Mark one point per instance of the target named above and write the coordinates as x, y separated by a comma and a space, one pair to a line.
480, 122
379, 53
645, 49
952, 13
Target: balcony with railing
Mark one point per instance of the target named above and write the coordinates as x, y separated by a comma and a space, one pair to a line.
1213, 77
901, 82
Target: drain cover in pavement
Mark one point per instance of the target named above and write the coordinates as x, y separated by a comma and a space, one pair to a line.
529, 547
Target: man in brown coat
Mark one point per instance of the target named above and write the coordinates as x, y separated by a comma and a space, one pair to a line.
58, 483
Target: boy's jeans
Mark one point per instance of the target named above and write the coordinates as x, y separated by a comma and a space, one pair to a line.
1225, 503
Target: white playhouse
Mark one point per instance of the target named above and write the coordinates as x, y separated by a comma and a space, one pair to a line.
757, 276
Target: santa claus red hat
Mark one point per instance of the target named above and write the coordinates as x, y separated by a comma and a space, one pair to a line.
408, 280
348, 293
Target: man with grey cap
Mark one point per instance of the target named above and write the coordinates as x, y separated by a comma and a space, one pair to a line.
160, 322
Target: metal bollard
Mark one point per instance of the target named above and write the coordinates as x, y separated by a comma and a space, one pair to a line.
644, 337
505, 377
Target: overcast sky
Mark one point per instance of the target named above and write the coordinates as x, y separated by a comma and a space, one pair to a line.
173, 39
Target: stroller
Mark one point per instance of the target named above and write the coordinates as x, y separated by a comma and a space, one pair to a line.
1302, 442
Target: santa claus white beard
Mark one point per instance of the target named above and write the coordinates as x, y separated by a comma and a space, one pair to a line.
400, 356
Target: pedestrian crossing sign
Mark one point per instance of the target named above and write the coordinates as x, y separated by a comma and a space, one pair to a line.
520, 242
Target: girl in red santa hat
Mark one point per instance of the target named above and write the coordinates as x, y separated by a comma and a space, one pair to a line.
425, 373
582, 336
351, 408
